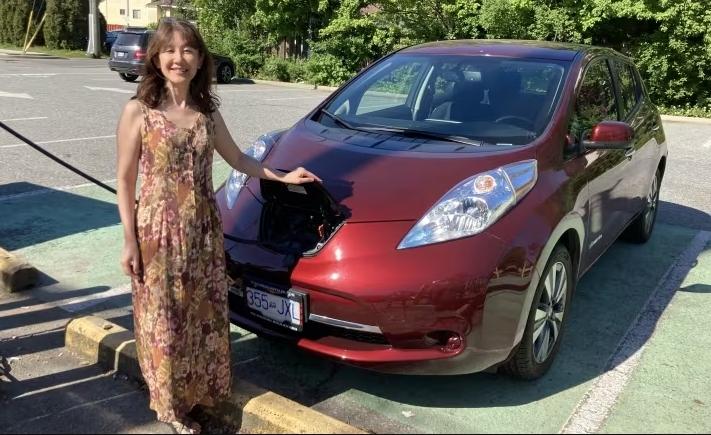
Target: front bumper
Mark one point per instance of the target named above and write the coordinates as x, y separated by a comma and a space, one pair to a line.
474, 288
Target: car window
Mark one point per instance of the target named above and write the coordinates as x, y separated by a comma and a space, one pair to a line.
496, 100
629, 94
595, 101
128, 39
391, 90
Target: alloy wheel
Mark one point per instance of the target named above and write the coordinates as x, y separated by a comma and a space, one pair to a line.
652, 202
549, 313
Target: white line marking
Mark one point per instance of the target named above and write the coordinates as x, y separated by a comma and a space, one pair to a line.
121, 91
50, 190
59, 141
30, 75
23, 119
11, 95
79, 303
294, 98
593, 409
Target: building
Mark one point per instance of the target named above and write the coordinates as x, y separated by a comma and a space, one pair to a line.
136, 13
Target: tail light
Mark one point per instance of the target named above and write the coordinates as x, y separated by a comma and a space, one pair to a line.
139, 55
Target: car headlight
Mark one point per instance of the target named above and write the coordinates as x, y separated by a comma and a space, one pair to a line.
237, 180
474, 204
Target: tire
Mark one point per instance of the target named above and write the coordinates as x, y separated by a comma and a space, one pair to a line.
128, 77
531, 360
640, 230
224, 73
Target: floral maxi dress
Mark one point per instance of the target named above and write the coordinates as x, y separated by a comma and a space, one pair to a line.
180, 301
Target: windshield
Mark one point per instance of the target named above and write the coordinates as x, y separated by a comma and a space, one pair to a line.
495, 100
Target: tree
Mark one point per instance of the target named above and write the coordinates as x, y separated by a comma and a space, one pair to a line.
67, 24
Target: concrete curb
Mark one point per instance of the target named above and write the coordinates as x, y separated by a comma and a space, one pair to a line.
686, 119
29, 55
15, 273
251, 408
285, 84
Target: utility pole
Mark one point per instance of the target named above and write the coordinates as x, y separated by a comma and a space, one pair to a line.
94, 48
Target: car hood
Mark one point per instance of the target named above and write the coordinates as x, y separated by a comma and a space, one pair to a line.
376, 177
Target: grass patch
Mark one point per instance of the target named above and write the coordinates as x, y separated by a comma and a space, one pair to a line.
74, 54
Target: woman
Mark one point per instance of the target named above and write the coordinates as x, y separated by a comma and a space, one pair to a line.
173, 240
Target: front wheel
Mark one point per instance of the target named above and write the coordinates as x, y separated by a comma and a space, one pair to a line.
640, 230
128, 77
546, 319
224, 73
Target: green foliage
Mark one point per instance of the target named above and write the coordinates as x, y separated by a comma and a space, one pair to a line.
326, 69
692, 111
670, 40
66, 25
275, 69
14, 15
297, 70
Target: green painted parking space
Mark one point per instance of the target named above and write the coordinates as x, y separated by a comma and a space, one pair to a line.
74, 238
606, 303
670, 392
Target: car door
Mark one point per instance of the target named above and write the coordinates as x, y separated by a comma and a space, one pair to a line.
643, 120
596, 101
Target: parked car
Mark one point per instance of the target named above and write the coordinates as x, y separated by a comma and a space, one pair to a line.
110, 39
128, 55
467, 186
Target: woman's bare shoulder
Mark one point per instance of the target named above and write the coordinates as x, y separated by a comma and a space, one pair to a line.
133, 107
133, 111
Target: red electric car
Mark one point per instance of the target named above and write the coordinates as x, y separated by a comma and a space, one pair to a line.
467, 185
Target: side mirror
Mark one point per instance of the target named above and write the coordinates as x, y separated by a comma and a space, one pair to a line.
609, 135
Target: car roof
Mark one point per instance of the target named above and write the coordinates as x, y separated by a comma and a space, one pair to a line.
508, 48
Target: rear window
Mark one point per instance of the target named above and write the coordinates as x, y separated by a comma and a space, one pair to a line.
128, 39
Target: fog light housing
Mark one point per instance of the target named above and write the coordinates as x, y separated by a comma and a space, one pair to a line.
447, 341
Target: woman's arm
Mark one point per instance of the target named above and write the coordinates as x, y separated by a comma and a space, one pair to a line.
226, 147
128, 138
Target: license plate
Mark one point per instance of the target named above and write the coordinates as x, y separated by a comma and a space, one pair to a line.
120, 54
284, 308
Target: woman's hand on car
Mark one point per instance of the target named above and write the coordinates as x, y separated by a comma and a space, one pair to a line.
299, 176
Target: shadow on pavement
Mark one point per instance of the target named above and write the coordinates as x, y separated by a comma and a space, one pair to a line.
33, 219
696, 288
677, 214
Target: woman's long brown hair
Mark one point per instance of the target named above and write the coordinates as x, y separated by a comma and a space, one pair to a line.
151, 91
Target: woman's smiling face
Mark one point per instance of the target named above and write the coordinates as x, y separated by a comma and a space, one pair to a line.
179, 61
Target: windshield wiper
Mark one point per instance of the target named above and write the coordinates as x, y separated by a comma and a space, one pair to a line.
340, 121
428, 135
404, 131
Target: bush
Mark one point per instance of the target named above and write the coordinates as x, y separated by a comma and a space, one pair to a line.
13, 20
693, 111
326, 69
275, 68
247, 53
66, 25
297, 70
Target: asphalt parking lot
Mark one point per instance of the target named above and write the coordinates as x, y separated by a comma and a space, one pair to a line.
633, 359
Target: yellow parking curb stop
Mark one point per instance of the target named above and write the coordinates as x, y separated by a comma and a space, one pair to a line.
251, 408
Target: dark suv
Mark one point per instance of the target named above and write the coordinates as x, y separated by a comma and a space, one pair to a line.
128, 55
